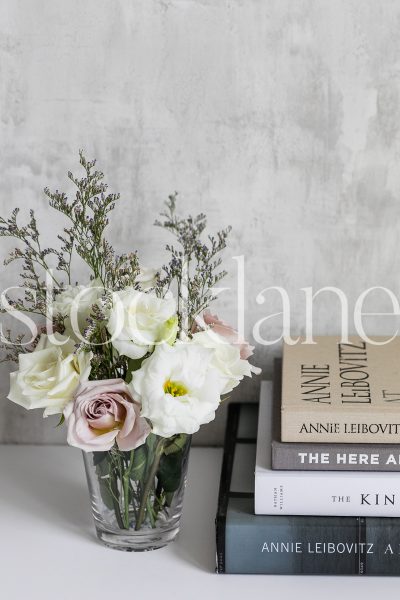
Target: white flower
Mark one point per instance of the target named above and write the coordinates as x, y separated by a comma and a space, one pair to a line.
147, 278
75, 305
177, 388
226, 359
48, 377
140, 320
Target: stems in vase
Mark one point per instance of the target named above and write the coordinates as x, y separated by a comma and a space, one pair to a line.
149, 483
125, 483
114, 494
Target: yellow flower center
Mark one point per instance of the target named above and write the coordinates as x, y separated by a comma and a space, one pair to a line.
174, 388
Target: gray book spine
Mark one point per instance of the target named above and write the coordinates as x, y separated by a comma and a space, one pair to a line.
335, 457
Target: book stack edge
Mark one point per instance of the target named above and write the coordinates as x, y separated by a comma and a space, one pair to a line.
293, 508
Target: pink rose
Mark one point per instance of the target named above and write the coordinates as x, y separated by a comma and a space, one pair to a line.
227, 332
102, 413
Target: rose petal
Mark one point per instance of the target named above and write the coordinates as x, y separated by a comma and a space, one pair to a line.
104, 412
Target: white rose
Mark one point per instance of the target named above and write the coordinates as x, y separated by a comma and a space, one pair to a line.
139, 320
75, 305
48, 377
226, 359
177, 388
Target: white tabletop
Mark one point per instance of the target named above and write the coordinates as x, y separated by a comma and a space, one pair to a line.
48, 548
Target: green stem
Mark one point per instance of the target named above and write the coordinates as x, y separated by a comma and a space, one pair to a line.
125, 481
150, 513
149, 483
114, 493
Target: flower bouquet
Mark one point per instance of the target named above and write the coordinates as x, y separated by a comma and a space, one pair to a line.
132, 361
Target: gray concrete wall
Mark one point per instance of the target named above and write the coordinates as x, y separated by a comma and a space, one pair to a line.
280, 117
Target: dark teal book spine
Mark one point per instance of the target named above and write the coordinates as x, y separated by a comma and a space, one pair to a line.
295, 545
289, 545
309, 545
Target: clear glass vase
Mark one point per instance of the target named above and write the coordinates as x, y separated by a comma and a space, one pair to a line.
137, 496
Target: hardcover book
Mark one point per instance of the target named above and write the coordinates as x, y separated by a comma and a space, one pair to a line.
333, 493
341, 392
247, 543
309, 456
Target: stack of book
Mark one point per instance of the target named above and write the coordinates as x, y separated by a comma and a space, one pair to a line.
310, 481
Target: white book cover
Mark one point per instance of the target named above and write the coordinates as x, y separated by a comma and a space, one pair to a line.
319, 493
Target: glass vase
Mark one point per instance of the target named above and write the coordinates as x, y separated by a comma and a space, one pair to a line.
137, 496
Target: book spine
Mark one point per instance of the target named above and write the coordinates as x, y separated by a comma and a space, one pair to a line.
334, 457
312, 546
330, 494
344, 426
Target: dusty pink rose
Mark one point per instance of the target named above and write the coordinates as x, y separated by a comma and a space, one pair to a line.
104, 412
227, 332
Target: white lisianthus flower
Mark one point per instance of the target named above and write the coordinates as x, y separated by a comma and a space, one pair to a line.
48, 377
75, 305
178, 389
139, 320
226, 359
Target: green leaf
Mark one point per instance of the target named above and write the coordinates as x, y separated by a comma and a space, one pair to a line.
106, 494
103, 470
151, 442
139, 463
170, 471
177, 444
98, 457
169, 497
61, 421
133, 365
